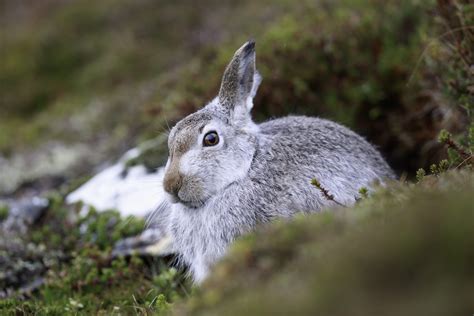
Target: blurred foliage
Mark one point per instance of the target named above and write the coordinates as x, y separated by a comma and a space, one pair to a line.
115, 73
90, 45
82, 70
362, 64
457, 74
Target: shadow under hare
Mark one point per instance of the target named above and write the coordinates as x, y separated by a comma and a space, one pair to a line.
226, 174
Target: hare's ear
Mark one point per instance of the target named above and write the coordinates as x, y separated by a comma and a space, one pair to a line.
240, 82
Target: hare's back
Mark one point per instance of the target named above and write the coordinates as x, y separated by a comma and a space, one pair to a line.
303, 140
312, 133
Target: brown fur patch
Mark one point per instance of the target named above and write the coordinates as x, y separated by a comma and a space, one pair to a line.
183, 139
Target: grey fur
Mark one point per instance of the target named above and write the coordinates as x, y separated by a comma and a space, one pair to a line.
257, 172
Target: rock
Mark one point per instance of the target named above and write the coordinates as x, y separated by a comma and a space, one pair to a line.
22, 214
49, 161
22, 266
30, 209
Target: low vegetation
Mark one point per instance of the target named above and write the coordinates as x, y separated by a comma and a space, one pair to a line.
82, 275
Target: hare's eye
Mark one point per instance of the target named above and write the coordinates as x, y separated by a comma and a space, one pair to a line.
210, 139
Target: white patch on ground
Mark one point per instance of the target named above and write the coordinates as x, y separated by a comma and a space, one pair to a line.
137, 193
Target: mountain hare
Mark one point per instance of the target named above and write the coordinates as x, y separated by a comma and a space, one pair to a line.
225, 174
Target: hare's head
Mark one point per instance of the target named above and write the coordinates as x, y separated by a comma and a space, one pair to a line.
214, 147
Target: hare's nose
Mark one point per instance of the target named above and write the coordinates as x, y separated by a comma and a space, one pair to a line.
172, 183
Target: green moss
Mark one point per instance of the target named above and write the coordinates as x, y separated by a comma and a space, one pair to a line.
105, 228
364, 192
96, 283
92, 283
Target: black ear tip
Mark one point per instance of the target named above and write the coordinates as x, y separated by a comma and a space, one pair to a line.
249, 47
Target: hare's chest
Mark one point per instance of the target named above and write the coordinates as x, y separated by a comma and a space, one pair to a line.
196, 236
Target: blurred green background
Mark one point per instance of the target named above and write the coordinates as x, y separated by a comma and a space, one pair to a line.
110, 74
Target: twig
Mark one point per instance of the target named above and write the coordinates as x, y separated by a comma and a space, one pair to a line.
455, 146
446, 138
325, 192
463, 162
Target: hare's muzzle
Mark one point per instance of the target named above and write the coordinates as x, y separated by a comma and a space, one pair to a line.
173, 179
172, 183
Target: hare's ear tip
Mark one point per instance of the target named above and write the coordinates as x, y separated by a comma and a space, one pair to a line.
249, 46
247, 49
